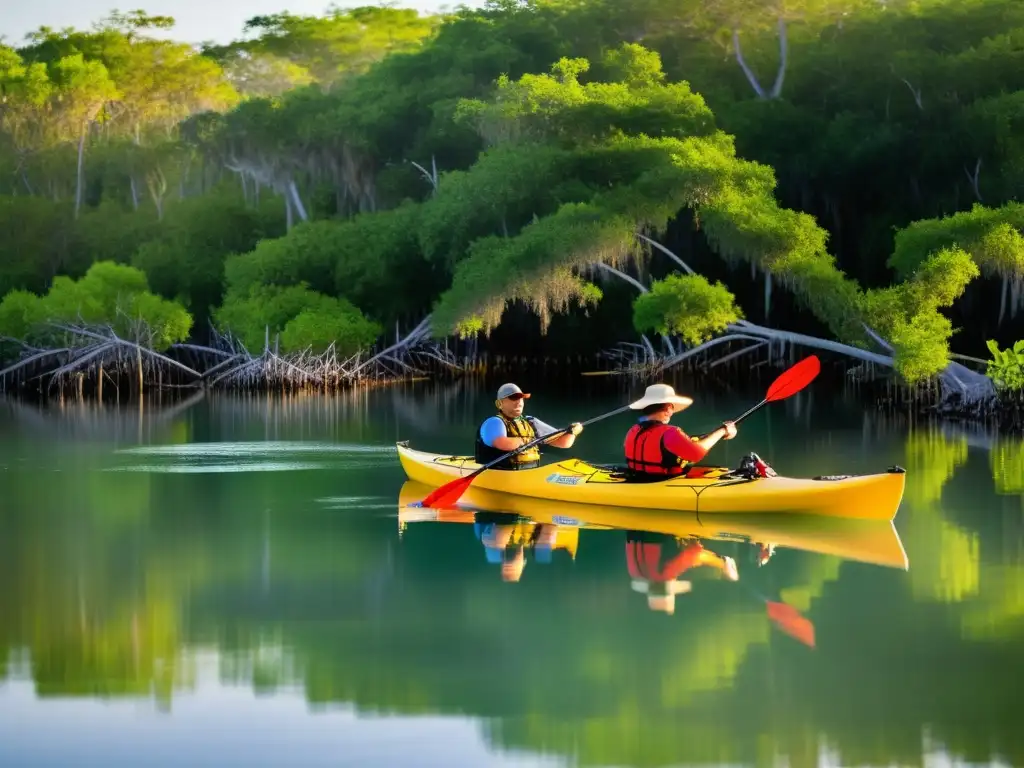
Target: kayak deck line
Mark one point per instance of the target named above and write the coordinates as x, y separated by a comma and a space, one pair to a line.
711, 489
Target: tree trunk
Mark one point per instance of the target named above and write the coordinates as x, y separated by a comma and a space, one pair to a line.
299, 207
79, 179
780, 74
24, 179
157, 184
138, 353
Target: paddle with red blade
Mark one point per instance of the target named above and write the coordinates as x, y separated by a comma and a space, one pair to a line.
788, 383
449, 493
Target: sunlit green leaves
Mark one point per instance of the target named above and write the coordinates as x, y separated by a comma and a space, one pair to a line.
109, 294
1006, 368
908, 314
302, 317
343, 43
637, 181
991, 235
558, 108
536, 267
687, 306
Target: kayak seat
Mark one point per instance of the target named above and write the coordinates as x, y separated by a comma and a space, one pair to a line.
621, 472
698, 471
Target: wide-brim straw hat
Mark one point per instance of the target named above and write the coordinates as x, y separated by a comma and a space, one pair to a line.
661, 588
661, 596
657, 394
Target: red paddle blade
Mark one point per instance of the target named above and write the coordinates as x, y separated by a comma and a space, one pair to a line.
792, 380
789, 620
449, 493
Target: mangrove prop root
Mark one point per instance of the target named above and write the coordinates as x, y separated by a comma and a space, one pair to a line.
98, 352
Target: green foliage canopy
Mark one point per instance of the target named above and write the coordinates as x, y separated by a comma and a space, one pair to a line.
109, 294
560, 130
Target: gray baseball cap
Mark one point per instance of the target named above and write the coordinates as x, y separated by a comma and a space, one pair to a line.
507, 390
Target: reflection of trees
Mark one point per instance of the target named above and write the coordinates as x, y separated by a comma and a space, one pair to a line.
110, 579
931, 460
904, 666
1007, 460
944, 555
958, 555
99, 569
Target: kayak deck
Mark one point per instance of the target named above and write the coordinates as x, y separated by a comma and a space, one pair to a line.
705, 490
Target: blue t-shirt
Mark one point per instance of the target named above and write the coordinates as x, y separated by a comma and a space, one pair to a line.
494, 428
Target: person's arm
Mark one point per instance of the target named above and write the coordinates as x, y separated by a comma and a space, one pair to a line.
694, 556
725, 432
692, 450
678, 443
494, 434
564, 440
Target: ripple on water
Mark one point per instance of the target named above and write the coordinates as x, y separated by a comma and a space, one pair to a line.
256, 457
357, 502
254, 448
255, 466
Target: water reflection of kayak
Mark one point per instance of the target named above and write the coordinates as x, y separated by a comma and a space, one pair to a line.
704, 490
869, 541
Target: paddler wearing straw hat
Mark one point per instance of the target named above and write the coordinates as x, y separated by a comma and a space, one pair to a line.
654, 449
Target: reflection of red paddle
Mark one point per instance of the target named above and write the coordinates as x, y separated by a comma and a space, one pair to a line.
791, 621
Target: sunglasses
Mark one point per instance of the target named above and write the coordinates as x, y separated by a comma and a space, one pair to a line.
516, 396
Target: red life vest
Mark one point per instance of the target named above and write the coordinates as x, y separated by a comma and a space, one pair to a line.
646, 453
649, 560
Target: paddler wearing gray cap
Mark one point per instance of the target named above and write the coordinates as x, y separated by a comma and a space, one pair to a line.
509, 429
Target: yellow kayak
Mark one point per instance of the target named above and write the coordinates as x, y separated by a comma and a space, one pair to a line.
867, 541
716, 490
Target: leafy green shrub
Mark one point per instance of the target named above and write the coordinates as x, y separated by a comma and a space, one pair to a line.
687, 306
908, 314
317, 329
108, 294
303, 317
1006, 368
20, 313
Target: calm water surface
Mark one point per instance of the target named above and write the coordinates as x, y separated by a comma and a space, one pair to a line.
226, 583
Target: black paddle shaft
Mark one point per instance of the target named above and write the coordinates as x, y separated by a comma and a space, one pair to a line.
741, 418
